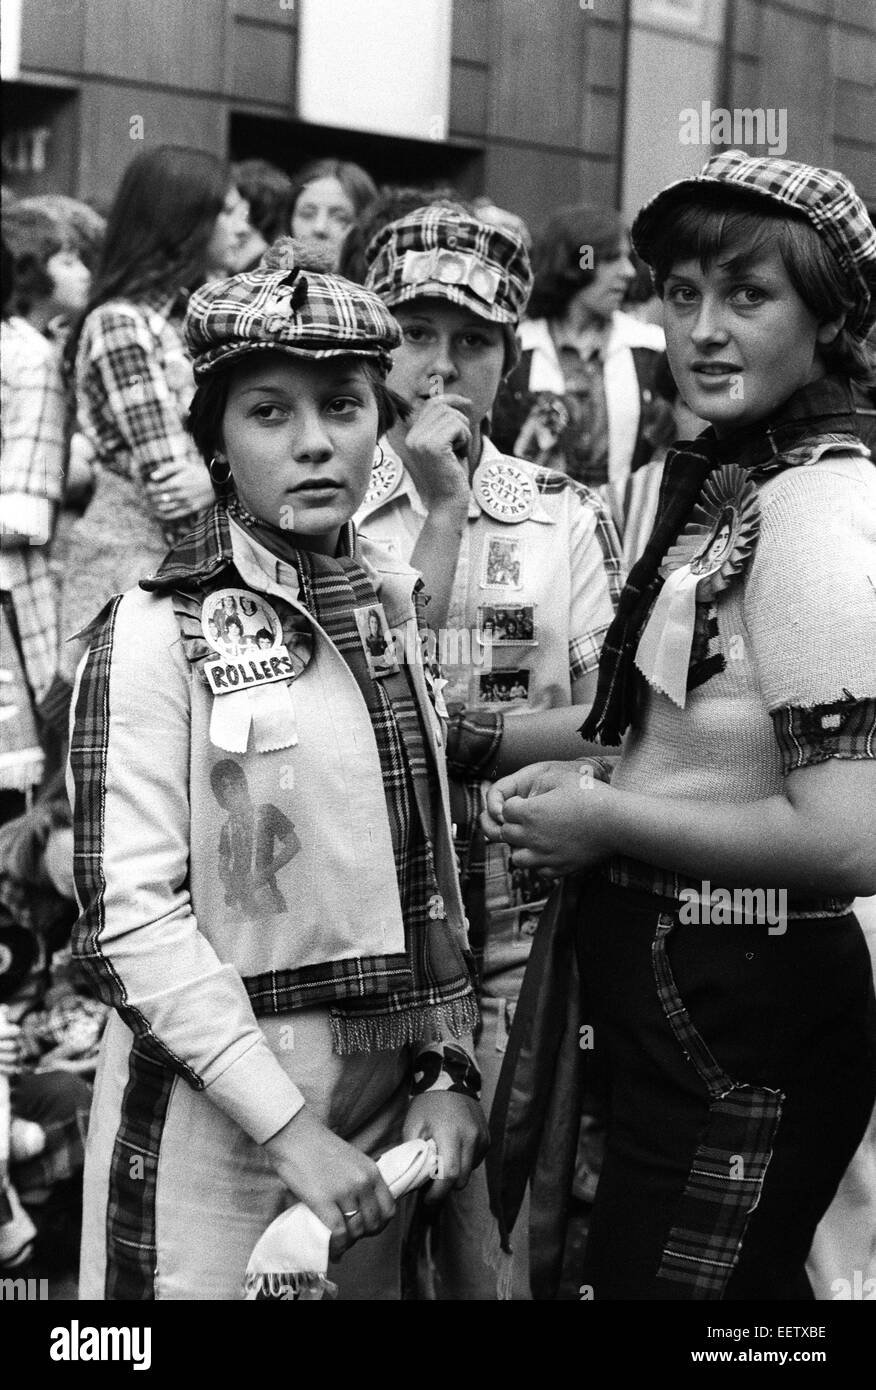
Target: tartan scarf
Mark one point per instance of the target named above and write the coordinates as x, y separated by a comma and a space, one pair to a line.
822, 406
440, 997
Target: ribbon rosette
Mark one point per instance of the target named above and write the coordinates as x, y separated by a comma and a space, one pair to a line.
711, 551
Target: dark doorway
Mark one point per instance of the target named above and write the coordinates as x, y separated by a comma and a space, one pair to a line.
388, 159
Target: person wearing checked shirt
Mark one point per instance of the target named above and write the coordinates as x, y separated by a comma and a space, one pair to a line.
522, 571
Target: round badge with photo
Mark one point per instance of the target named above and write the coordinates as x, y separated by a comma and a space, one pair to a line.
238, 623
718, 541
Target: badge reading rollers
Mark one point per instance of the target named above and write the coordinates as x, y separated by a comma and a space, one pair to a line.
504, 491
386, 474
246, 632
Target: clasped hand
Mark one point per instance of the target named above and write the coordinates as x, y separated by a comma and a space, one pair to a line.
552, 815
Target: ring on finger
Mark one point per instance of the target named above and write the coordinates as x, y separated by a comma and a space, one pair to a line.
348, 1215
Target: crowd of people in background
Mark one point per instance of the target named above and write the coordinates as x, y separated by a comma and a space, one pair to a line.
102, 474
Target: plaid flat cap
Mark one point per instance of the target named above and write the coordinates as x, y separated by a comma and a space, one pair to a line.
442, 252
279, 307
824, 197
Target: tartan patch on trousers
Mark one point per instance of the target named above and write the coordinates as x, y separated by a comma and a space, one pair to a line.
132, 1251
723, 1188
728, 1170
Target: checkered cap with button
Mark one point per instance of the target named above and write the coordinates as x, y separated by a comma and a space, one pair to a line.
442, 252
277, 306
824, 197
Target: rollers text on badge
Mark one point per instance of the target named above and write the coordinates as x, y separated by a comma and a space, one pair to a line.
225, 676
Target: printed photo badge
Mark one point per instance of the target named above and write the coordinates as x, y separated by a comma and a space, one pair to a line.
377, 640
504, 491
712, 550
250, 673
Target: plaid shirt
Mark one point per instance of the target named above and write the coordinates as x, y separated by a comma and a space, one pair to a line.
134, 387
32, 461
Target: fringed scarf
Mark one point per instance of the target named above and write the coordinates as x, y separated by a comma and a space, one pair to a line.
822, 407
440, 997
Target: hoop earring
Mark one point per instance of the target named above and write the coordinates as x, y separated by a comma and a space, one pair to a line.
220, 482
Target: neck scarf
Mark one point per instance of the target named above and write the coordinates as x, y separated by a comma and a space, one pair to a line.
822, 407
439, 997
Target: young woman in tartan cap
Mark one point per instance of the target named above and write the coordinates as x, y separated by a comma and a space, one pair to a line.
486, 531
265, 870
733, 999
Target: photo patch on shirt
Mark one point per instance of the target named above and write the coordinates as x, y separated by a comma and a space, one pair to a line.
255, 843
504, 687
507, 625
503, 563
378, 643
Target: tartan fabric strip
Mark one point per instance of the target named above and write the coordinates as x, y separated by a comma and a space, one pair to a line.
473, 741
584, 652
131, 1242
89, 744
845, 729
728, 1170
723, 1189
275, 991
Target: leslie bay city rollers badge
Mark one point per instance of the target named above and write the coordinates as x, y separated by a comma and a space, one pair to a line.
386, 474
504, 490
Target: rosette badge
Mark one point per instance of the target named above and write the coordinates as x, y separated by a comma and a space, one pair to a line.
712, 551
719, 538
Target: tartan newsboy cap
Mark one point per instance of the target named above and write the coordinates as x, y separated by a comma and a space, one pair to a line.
824, 197
442, 252
277, 306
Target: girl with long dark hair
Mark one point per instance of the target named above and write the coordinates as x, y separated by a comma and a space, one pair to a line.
176, 221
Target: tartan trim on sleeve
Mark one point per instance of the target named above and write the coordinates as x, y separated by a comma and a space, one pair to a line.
845, 729
584, 652
727, 1173
131, 1239
89, 749
445, 1067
